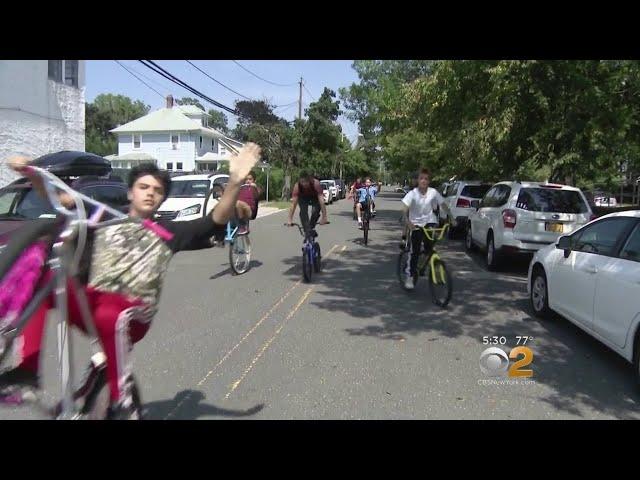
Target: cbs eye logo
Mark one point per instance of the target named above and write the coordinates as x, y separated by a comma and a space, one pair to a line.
494, 362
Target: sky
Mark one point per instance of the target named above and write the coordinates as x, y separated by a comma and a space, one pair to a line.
107, 76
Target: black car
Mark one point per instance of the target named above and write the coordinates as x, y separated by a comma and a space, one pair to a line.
87, 173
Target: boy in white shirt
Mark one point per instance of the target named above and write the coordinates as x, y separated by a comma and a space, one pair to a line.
418, 209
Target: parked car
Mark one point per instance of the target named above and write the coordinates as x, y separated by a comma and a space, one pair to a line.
87, 173
522, 217
326, 193
342, 188
592, 278
332, 188
458, 197
598, 198
192, 196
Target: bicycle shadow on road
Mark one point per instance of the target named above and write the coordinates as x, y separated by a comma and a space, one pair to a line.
252, 264
192, 408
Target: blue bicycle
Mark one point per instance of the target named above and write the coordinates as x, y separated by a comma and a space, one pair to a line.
311, 255
239, 248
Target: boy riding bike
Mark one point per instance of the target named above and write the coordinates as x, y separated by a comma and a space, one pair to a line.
418, 210
123, 273
362, 192
308, 193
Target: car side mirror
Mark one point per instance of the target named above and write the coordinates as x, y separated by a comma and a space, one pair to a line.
475, 204
564, 243
215, 193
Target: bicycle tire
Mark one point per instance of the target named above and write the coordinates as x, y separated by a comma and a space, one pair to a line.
240, 254
400, 268
442, 290
365, 229
317, 259
307, 265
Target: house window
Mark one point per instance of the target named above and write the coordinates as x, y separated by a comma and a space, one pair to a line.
213, 143
55, 70
137, 140
179, 166
71, 73
64, 71
169, 165
201, 141
175, 141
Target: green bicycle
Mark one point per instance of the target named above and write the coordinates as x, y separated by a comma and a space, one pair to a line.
440, 281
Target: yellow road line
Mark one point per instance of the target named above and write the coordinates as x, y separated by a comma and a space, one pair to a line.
268, 342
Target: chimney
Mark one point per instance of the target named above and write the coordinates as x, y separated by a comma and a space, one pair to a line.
169, 101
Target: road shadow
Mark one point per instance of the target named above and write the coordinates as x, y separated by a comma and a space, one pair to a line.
252, 264
364, 285
192, 408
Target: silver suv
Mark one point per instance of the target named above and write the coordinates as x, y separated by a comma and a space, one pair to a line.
458, 197
522, 217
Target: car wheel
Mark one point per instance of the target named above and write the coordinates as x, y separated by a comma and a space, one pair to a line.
468, 242
636, 358
539, 296
491, 256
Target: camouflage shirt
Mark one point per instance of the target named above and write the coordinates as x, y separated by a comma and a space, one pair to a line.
133, 260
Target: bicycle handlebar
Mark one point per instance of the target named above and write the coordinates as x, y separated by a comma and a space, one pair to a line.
51, 182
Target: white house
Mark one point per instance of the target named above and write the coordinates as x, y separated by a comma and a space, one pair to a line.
41, 109
176, 138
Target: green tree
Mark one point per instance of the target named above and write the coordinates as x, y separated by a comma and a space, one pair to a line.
105, 113
218, 120
189, 101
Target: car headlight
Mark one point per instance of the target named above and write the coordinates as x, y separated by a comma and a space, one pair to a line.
185, 212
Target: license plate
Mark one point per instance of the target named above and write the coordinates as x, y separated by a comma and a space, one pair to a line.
553, 227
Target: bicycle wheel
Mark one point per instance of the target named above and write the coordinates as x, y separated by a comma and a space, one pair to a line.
365, 230
307, 264
240, 254
317, 259
403, 258
442, 285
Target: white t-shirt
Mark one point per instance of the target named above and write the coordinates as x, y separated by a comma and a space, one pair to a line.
421, 207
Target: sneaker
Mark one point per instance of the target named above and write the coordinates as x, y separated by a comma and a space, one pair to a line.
408, 283
119, 411
243, 229
18, 386
360, 225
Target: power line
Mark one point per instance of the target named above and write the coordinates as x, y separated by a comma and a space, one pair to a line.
131, 73
219, 83
264, 80
286, 105
166, 74
311, 94
155, 82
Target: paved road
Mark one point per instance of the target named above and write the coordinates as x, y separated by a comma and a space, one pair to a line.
353, 345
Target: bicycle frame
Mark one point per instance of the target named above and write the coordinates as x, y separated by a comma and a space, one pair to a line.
231, 232
433, 235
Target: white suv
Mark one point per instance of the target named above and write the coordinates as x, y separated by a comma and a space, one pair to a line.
192, 196
458, 197
333, 189
522, 217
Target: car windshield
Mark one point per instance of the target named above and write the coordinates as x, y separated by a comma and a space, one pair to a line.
23, 204
189, 188
475, 191
551, 200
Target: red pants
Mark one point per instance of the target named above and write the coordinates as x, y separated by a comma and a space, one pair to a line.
118, 322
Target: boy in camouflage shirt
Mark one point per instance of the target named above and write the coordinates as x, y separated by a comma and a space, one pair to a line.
124, 274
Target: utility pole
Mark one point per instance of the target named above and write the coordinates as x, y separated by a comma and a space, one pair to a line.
300, 101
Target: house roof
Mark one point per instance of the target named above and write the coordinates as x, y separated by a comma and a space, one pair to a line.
173, 120
163, 120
